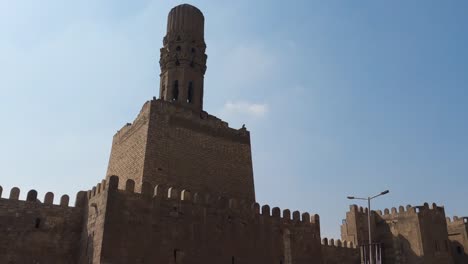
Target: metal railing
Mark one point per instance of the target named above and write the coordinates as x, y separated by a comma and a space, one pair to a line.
375, 255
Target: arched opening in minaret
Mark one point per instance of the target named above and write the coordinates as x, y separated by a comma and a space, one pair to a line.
175, 91
190, 93
163, 91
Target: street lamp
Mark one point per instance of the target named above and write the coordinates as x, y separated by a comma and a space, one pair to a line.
368, 217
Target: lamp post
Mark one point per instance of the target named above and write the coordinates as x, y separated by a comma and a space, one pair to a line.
369, 217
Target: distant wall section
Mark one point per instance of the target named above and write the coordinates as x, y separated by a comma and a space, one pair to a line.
458, 235
339, 252
407, 234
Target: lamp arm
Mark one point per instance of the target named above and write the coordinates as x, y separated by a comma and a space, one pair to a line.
376, 196
357, 198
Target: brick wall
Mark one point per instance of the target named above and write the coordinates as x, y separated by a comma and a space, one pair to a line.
129, 147
408, 235
173, 145
434, 234
34, 232
458, 235
339, 252
94, 215
141, 228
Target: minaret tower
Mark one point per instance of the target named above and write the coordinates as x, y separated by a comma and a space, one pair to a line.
183, 58
173, 142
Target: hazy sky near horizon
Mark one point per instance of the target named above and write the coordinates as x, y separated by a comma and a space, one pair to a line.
341, 97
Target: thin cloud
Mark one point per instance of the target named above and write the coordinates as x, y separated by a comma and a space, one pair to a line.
246, 108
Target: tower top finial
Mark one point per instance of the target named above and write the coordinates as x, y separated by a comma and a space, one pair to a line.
187, 19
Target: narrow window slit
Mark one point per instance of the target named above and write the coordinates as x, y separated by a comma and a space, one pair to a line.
175, 91
190, 93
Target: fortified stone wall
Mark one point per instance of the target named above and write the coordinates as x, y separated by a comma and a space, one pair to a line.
339, 252
184, 148
166, 225
408, 235
36, 232
434, 234
187, 148
129, 147
94, 215
458, 235
399, 233
355, 226
414, 234
177, 164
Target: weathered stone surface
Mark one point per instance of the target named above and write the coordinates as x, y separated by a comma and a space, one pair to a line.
409, 235
184, 193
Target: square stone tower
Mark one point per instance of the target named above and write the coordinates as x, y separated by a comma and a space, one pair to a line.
173, 141
413, 235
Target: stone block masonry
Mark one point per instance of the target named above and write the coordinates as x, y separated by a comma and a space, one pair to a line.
170, 144
36, 232
185, 194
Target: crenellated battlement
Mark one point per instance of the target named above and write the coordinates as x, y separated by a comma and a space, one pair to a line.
456, 220
32, 197
402, 210
337, 243
49, 230
97, 189
186, 219
358, 209
419, 227
339, 251
411, 210
164, 193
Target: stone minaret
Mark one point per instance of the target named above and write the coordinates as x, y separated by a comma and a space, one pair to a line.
183, 58
173, 142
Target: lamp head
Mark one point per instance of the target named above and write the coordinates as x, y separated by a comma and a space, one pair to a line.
350, 197
384, 192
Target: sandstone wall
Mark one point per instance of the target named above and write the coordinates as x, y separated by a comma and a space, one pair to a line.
176, 146
407, 234
355, 227
180, 227
339, 252
434, 234
36, 232
458, 235
94, 219
129, 147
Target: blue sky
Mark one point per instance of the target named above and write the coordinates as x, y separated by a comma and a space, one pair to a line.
341, 97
